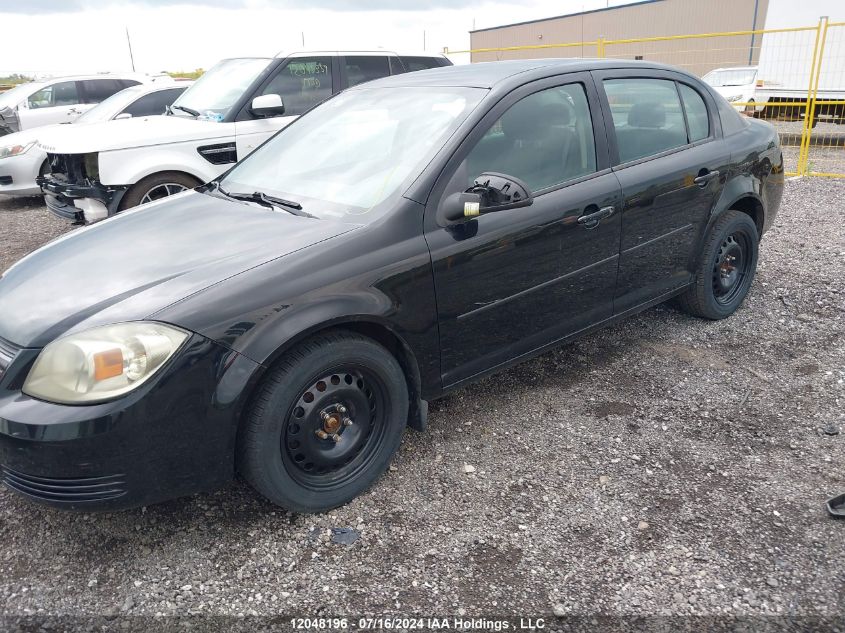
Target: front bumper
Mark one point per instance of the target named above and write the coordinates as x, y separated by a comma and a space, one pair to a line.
63, 197
174, 436
18, 173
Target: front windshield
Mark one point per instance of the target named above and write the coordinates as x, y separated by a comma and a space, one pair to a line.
214, 94
731, 77
108, 108
353, 153
12, 97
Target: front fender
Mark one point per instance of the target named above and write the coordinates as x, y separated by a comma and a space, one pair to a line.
128, 166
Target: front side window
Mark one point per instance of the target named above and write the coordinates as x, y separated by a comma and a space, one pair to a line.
214, 94
544, 139
366, 68
353, 156
647, 116
302, 83
696, 111
63, 93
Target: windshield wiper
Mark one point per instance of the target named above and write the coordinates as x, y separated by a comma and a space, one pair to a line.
190, 111
269, 201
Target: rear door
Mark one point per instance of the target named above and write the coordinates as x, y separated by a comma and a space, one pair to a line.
508, 283
667, 151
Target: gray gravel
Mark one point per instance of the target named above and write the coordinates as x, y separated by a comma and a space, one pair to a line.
666, 466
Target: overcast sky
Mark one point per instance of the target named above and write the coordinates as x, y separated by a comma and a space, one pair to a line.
63, 36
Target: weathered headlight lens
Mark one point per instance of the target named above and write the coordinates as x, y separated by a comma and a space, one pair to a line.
101, 363
15, 150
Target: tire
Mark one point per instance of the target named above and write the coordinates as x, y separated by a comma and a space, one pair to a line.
345, 376
155, 184
720, 284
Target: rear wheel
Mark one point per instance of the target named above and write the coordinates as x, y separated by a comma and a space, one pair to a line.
325, 423
157, 186
725, 269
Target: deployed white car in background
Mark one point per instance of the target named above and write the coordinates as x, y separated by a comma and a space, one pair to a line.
22, 161
736, 85
61, 99
227, 113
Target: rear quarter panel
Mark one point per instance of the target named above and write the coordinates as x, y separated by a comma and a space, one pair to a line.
756, 171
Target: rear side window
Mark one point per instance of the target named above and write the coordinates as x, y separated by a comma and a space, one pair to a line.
302, 83
366, 68
420, 63
647, 116
154, 103
63, 93
696, 111
97, 90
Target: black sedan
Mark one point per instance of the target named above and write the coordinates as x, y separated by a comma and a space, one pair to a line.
402, 239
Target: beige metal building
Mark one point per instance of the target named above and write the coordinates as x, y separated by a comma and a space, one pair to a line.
650, 18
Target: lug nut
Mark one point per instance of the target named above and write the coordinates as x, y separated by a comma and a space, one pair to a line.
347, 422
321, 434
341, 408
335, 437
325, 416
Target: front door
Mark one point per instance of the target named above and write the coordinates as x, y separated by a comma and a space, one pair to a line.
511, 282
671, 163
55, 103
302, 83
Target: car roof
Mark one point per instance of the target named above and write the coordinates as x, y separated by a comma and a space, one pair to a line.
400, 53
490, 74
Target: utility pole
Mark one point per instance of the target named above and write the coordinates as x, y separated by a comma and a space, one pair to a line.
131, 56
423, 39
303, 39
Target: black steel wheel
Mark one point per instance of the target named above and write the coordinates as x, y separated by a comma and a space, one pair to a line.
325, 423
731, 267
725, 268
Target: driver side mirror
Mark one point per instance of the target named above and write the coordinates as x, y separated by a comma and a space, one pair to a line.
122, 116
267, 106
491, 192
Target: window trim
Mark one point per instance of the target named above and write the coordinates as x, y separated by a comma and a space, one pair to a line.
599, 76
495, 111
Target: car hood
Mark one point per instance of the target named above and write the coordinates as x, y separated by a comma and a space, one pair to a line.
729, 91
132, 266
23, 137
139, 132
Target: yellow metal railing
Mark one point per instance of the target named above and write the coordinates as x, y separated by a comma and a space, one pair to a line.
816, 148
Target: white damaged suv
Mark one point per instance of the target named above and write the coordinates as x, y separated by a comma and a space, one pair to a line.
233, 108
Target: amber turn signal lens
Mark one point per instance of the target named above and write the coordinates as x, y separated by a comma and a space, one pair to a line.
108, 364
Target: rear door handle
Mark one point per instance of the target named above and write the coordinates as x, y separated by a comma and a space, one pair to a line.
591, 220
703, 179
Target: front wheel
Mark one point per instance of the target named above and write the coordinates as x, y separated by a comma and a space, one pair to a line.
325, 423
157, 186
725, 268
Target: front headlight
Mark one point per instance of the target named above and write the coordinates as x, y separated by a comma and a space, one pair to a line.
101, 363
733, 98
15, 150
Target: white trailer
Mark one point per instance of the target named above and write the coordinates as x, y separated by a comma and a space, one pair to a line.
786, 61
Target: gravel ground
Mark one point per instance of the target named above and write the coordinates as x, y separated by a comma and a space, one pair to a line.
664, 467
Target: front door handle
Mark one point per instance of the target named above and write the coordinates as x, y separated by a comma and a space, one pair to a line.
591, 220
705, 178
